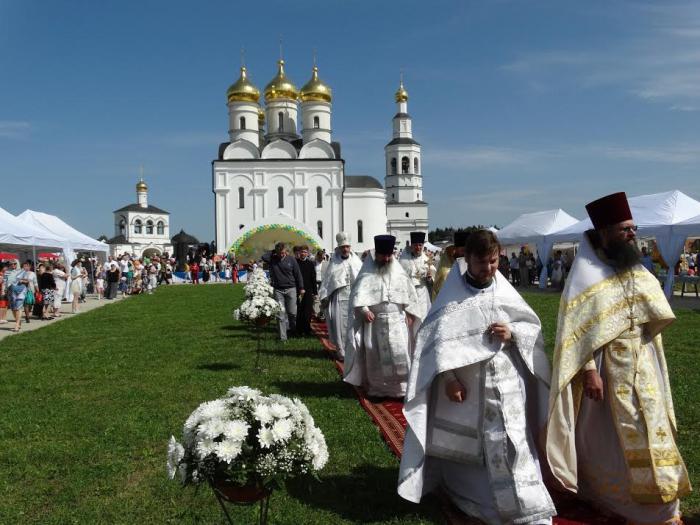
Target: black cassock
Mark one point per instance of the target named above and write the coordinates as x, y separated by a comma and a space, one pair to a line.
306, 304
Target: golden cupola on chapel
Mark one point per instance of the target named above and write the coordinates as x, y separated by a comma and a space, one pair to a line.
243, 90
401, 94
315, 89
281, 86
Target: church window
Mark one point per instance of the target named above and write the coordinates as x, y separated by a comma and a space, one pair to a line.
360, 236
415, 165
319, 197
317, 123
122, 226
242, 122
404, 164
319, 227
418, 196
406, 214
392, 196
138, 227
280, 121
241, 226
393, 166
149, 227
160, 228
241, 198
280, 197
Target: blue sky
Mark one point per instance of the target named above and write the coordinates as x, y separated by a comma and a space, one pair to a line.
519, 106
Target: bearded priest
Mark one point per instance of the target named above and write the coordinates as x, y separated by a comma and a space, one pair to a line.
612, 430
334, 292
449, 255
420, 269
476, 403
383, 308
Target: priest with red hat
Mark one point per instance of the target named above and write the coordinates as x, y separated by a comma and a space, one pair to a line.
611, 436
383, 309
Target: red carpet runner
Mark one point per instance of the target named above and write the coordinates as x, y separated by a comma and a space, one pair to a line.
388, 416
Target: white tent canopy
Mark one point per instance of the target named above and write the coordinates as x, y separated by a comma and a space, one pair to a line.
536, 228
15, 232
73, 239
656, 215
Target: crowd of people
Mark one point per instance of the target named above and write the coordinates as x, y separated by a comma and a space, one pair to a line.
489, 421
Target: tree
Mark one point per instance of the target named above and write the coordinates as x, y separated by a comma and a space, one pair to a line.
447, 234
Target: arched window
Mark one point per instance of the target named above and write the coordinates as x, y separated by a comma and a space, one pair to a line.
392, 196
122, 226
138, 228
160, 228
360, 237
393, 166
317, 123
280, 121
242, 122
280, 197
149, 227
406, 214
241, 198
319, 227
415, 165
241, 226
319, 197
404, 164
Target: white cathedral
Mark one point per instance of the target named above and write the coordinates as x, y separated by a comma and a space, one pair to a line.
270, 175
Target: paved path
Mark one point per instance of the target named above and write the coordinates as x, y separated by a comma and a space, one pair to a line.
90, 304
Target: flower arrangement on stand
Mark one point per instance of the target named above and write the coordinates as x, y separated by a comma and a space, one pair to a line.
258, 307
246, 444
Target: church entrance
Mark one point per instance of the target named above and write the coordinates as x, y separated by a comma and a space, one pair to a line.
253, 243
150, 252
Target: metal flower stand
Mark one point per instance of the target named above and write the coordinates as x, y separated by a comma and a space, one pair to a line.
264, 504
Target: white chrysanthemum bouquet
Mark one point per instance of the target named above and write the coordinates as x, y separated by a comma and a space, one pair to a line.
259, 303
246, 439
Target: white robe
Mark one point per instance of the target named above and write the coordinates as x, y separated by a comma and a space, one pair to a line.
335, 288
482, 451
419, 270
378, 354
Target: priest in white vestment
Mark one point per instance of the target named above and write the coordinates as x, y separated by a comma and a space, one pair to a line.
420, 269
383, 308
611, 436
449, 255
476, 403
334, 292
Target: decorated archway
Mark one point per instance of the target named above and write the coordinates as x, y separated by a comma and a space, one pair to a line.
261, 237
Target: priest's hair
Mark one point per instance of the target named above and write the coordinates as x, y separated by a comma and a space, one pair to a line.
482, 243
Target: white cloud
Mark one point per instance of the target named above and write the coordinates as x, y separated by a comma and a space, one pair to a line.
660, 66
481, 157
673, 154
12, 129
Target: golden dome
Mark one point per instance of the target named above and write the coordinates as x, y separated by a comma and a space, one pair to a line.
141, 186
243, 90
401, 94
281, 86
315, 89
261, 115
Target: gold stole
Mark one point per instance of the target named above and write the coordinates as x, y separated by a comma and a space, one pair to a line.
656, 471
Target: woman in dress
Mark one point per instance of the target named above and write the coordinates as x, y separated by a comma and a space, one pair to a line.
60, 277
76, 284
25, 286
112, 281
47, 285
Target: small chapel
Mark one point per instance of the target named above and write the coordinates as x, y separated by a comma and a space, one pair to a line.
141, 229
281, 175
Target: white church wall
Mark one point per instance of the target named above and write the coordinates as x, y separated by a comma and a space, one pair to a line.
369, 206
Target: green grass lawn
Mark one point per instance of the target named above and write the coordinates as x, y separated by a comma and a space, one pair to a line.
88, 405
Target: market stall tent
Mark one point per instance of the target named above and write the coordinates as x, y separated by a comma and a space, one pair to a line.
15, 232
656, 215
74, 240
536, 228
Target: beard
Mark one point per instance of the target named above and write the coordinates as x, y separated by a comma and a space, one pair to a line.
383, 267
622, 254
